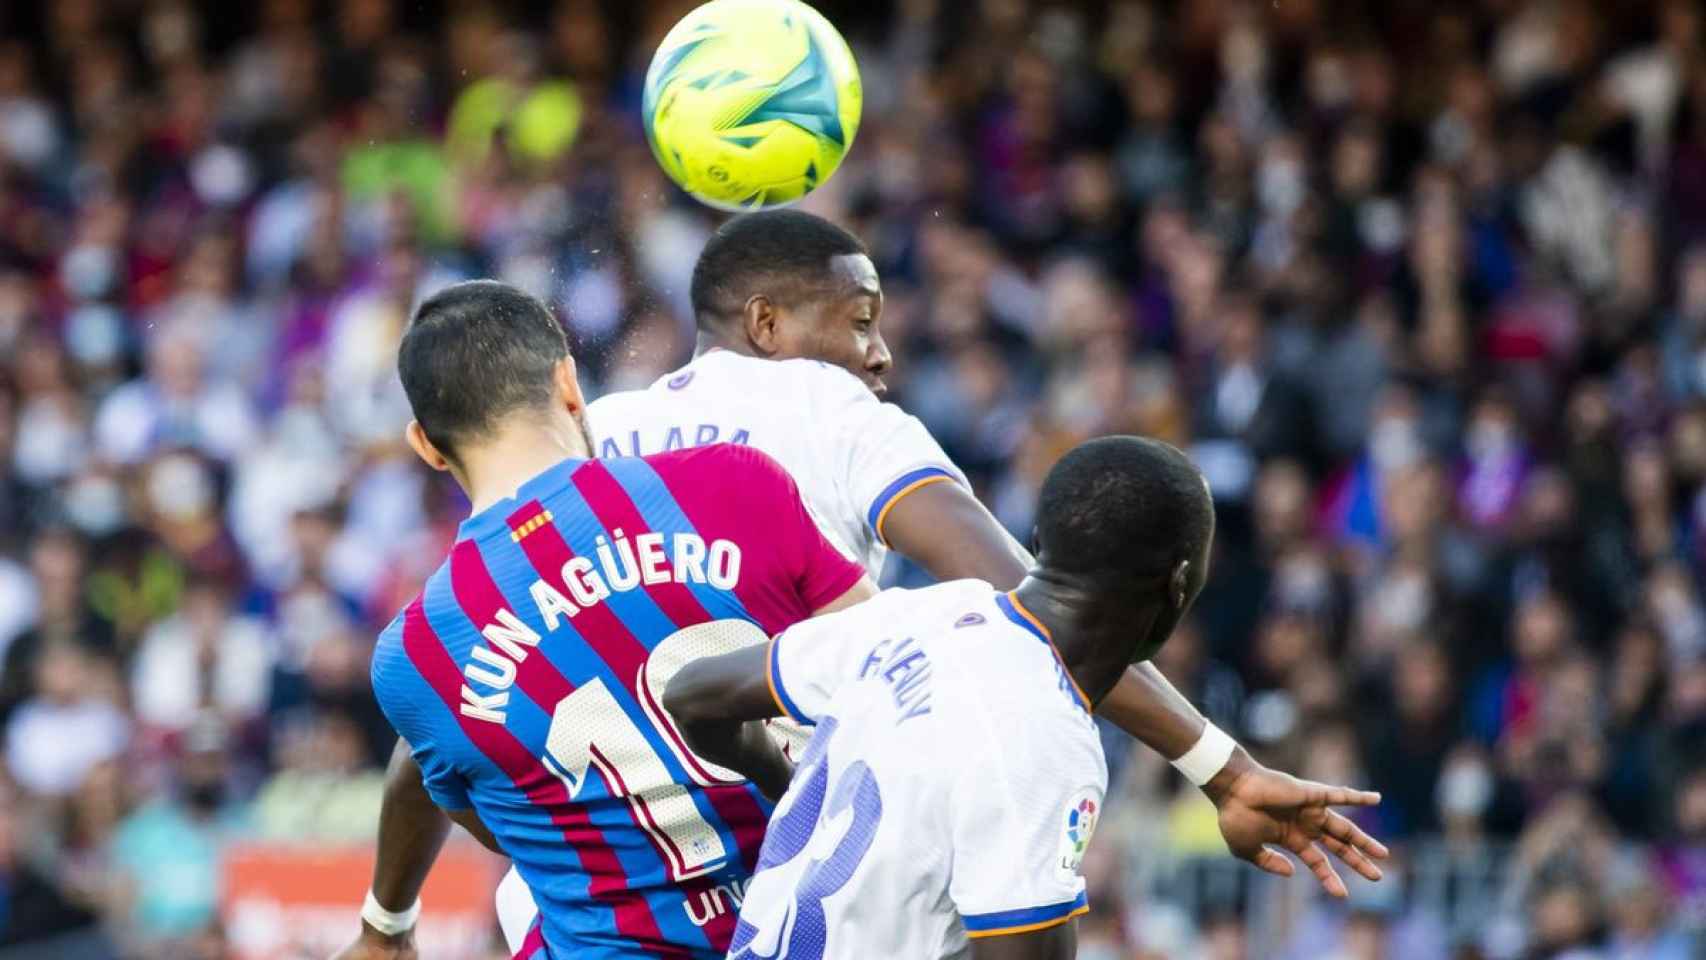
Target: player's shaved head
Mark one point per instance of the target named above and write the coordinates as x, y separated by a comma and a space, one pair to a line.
473, 354
1128, 520
785, 255
1120, 509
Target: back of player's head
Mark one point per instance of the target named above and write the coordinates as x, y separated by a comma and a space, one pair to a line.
474, 353
1116, 509
783, 254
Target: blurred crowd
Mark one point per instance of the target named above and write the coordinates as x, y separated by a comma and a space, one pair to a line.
1420, 285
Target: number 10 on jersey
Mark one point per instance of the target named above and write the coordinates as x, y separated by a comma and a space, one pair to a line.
590, 730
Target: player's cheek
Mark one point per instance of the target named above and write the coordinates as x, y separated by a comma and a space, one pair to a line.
846, 349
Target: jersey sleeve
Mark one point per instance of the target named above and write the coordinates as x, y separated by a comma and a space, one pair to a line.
883, 452
1020, 819
443, 782
406, 700
811, 660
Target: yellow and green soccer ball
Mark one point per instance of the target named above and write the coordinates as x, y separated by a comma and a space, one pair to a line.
751, 103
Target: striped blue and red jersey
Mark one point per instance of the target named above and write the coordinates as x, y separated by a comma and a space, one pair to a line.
527, 679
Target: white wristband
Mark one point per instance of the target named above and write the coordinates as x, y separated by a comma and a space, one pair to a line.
1204, 759
387, 922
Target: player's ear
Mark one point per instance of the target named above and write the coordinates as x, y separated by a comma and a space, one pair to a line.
567, 385
424, 447
762, 323
1179, 586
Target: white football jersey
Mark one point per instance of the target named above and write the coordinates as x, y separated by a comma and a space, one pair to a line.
949, 789
851, 454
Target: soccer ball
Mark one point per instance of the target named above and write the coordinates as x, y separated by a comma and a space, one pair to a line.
751, 103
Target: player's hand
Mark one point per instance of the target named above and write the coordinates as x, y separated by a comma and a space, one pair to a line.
373, 945
1261, 809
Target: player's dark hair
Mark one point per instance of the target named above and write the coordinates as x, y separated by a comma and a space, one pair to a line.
1121, 508
474, 353
783, 254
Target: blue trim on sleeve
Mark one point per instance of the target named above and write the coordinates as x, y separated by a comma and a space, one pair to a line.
1029, 916
900, 483
775, 666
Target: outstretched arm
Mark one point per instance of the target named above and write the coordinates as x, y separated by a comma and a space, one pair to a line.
944, 529
947, 531
719, 704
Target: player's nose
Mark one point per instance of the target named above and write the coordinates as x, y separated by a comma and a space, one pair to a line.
878, 362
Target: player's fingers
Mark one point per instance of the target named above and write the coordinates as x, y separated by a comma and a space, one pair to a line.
1272, 861
1326, 794
1318, 864
1352, 857
1341, 828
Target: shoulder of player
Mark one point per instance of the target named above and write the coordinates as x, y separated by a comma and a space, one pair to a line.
388, 650
1012, 676
795, 384
923, 613
607, 401
826, 382
962, 630
618, 402
734, 467
929, 611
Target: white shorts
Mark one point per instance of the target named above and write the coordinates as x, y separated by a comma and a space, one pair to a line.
516, 910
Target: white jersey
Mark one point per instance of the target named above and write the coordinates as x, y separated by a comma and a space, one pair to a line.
852, 455
948, 792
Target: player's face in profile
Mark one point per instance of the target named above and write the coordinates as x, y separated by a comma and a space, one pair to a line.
843, 329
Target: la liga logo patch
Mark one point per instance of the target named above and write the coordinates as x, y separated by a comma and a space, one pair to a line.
1079, 823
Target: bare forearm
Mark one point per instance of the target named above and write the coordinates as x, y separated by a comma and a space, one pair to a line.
411, 831
744, 747
945, 530
1146, 705
719, 704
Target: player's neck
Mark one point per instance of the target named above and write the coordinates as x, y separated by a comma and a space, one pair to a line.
495, 470
709, 342
1094, 642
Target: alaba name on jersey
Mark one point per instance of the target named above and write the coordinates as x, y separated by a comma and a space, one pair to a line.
527, 678
852, 455
948, 792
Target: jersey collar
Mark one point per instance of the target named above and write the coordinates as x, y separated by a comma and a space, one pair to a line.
1013, 609
495, 518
